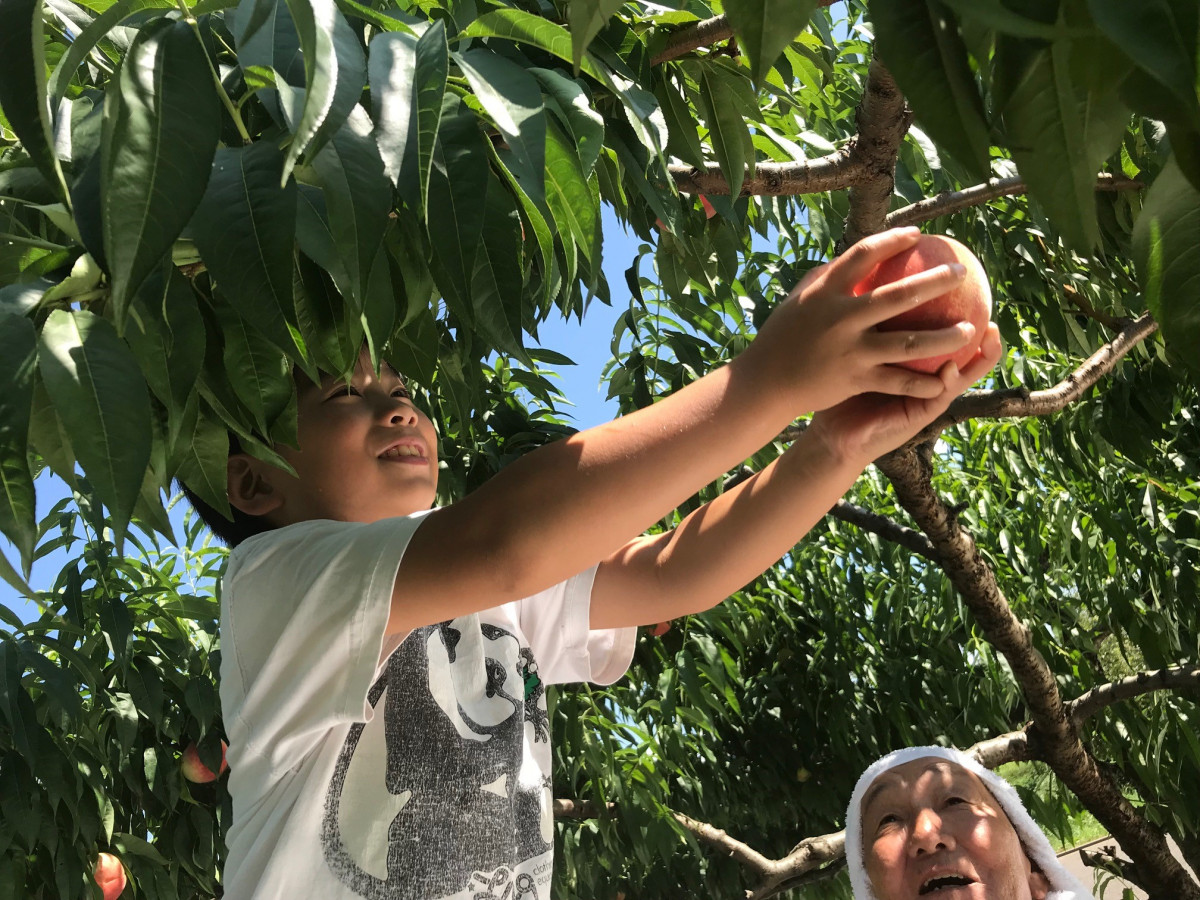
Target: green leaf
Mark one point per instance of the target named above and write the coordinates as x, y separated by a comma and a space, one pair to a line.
1161, 37
97, 30
99, 393
1061, 127
923, 48
329, 86
457, 181
585, 19
392, 68
18, 355
1166, 243
266, 39
726, 128
573, 108
357, 199
683, 139
767, 27
162, 120
526, 28
496, 283
166, 335
512, 98
13, 578
568, 194
202, 462
407, 75
256, 369
333, 335
23, 94
245, 228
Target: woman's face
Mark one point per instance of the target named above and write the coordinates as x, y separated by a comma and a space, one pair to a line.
932, 829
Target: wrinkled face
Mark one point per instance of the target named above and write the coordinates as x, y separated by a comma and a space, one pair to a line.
365, 451
932, 829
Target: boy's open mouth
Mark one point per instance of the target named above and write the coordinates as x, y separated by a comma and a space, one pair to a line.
404, 451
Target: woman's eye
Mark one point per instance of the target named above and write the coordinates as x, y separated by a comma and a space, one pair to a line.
954, 801
401, 392
346, 390
889, 819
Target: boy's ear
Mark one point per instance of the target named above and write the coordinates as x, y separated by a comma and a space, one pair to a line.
250, 491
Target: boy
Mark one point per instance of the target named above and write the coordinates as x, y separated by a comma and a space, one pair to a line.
384, 665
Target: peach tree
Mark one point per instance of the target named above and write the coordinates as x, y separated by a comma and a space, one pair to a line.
195, 198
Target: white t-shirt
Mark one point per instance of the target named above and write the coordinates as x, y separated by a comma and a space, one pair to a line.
416, 768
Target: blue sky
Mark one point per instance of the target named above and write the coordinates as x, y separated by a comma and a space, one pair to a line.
587, 343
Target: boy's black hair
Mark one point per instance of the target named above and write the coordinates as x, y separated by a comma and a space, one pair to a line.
242, 526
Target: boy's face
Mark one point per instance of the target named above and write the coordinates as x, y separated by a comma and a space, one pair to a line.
365, 452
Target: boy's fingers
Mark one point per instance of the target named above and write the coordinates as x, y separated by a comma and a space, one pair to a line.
890, 300
857, 263
985, 360
907, 383
905, 346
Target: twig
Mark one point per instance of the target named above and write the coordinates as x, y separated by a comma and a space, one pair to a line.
1020, 402
886, 528
1086, 705
954, 201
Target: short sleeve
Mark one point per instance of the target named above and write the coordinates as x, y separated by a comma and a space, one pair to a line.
556, 622
304, 609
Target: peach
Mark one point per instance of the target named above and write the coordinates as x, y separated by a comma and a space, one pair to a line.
971, 301
196, 771
660, 629
110, 876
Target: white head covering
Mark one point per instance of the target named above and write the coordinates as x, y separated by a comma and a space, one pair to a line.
1063, 886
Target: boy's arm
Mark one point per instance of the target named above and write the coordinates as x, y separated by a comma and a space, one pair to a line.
731, 540
571, 504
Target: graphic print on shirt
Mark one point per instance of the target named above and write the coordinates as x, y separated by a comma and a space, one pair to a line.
434, 797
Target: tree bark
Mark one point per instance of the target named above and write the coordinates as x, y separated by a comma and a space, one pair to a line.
883, 118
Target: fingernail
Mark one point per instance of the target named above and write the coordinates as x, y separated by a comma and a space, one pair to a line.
958, 269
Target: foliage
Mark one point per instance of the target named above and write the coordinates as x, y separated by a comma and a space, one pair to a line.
102, 692
194, 199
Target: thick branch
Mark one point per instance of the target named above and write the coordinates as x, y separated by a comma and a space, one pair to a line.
833, 172
1019, 402
883, 119
1085, 705
954, 201
1055, 733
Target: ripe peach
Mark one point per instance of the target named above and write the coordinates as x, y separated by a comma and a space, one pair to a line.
660, 629
110, 876
971, 301
196, 771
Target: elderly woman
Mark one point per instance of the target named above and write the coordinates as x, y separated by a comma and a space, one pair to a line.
932, 822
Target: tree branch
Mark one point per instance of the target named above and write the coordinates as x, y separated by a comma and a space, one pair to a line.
701, 34
883, 118
833, 172
886, 528
1020, 402
729, 846
955, 201
1174, 679
1053, 730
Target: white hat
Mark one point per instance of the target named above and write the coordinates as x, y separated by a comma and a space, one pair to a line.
1063, 886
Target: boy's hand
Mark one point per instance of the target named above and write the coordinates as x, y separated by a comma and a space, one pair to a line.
864, 428
821, 343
